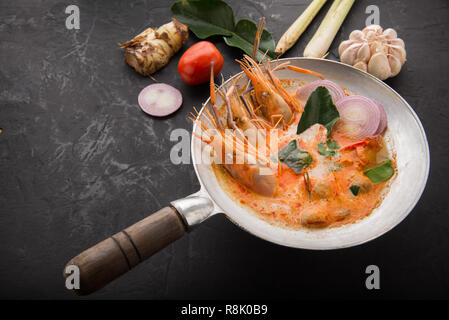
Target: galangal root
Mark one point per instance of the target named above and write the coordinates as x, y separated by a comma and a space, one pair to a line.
153, 48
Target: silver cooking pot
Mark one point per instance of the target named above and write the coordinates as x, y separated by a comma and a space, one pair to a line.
405, 135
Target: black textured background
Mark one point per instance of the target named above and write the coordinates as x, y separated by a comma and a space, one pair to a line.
79, 161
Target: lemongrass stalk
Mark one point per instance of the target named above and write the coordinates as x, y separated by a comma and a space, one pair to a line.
323, 37
293, 33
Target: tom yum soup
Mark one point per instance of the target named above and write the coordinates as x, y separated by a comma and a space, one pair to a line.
303, 156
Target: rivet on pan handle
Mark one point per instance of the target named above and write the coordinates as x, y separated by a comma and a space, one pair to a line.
114, 256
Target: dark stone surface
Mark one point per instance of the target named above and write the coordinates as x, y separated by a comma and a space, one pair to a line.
79, 161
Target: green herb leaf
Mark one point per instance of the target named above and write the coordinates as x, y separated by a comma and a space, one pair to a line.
337, 167
322, 149
215, 17
329, 149
381, 172
205, 17
319, 109
332, 145
295, 158
243, 38
298, 159
354, 189
285, 151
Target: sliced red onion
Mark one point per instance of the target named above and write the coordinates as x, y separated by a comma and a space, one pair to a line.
335, 90
359, 117
383, 118
160, 99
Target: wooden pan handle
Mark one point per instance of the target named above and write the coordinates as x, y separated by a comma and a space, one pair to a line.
114, 256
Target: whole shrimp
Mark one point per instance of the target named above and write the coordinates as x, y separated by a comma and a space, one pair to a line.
241, 141
270, 97
236, 149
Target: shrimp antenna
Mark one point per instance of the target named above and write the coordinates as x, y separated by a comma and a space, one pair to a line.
260, 26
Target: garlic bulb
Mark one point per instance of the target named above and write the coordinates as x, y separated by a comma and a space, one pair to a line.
379, 52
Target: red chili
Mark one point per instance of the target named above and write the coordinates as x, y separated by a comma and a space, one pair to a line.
354, 145
194, 65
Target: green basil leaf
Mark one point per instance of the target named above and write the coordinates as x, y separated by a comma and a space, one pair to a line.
354, 189
332, 145
295, 158
319, 109
322, 149
205, 17
381, 172
328, 149
285, 151
298, 160
243, 38
215, 17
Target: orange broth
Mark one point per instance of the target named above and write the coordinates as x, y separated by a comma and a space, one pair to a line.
328, 191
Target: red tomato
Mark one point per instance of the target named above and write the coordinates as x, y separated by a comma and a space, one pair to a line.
194, 65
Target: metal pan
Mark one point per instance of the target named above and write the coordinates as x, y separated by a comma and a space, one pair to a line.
405, 135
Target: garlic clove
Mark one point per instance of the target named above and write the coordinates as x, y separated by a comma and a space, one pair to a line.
379, 66
344, 45
348, 56
370, 36
364, 53
357, 35
376, 29
378, 46
390, 33
397, 42
395, 65
361, 65
398, 52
